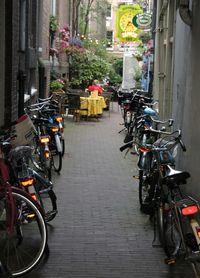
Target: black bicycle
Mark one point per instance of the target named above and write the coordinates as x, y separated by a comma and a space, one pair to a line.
176, 215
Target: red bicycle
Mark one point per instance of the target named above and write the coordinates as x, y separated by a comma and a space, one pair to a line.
23, 232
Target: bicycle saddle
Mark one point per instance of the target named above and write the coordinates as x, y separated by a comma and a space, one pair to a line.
175, 176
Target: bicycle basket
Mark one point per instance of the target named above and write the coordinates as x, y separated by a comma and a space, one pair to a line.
165, 156
25, 131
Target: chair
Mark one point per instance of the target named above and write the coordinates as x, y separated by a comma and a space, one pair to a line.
85, 94
84, 107
73, 105
108, 99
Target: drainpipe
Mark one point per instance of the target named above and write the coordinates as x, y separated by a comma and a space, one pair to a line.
185, 13
22, 79
163, 8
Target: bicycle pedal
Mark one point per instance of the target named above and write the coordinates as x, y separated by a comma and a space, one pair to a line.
170, 261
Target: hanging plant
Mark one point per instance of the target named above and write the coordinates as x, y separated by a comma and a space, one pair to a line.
53, 24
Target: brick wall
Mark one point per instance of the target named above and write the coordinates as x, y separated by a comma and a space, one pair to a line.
15, 26
46, 43
11, 59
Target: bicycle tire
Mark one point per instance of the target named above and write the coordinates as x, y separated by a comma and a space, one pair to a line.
29, 236
62, 141
48, 168
145, 201
171, 236
42, 164
160, 222
47, 199
36, 160
57, 162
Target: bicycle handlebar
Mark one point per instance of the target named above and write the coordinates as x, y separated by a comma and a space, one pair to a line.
45, 99
157, 148
127, 145
170, 121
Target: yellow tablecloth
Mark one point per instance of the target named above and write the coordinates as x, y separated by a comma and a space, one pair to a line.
94, 105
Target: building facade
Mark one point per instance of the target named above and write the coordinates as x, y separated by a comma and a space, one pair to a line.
19, 44
176, 81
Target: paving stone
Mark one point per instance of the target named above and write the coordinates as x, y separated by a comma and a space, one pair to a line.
99, 231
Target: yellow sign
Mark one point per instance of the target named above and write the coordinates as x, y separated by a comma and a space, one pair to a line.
126, 31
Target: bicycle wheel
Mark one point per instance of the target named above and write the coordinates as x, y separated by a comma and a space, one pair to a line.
40, 162
143, 187
160, 222
48, 168
57, 161
171, 236
23, 248
4, 272
36, 158
144, 198
62, 142
47, 198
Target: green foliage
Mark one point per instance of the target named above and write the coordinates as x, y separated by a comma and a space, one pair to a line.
85, 66
97, 47
114, 78
56, 85
139, 51
145, 37
92, 62
137, 75
53, 24
118, 66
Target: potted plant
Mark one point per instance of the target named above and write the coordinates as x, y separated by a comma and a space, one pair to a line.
57, 85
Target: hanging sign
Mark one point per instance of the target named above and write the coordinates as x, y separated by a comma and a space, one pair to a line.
142, 21
125, 30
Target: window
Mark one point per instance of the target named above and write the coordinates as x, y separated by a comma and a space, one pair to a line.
109, 37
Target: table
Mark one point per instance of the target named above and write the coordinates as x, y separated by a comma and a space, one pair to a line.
92, 106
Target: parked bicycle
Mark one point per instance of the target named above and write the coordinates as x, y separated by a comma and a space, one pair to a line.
32, 181
23, 232
176, 215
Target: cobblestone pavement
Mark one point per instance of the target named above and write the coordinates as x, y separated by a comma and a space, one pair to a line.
99, 231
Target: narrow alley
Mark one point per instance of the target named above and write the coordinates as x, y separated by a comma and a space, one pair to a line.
99, 231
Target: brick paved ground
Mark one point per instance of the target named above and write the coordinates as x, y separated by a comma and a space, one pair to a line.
99, 231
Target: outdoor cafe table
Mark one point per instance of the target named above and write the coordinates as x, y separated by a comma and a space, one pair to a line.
94, 105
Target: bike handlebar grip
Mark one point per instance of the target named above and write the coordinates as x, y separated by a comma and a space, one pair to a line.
128, 145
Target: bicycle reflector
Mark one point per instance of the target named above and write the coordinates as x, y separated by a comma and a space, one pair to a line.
54, 129
144, 150
46, 154
33, 195
59, 119
27, 182
44, 139
190, 210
